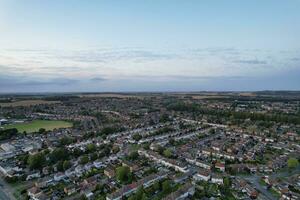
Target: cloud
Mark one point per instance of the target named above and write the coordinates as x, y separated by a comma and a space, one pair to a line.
217, 50
282, 81
65, 69
104, 55
166, 78
251, 62
295, 59
15, 81
97, 79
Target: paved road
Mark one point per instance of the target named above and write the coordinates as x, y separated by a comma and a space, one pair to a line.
5, 191
3, 195
254, 180
286, 173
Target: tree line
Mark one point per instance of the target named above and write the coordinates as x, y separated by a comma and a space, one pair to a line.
197, 109
8, 133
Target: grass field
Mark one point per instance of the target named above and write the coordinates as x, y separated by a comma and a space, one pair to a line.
35, 125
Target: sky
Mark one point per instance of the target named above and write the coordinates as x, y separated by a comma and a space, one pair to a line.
150, 45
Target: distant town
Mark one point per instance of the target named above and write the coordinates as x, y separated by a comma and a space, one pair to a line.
138, 146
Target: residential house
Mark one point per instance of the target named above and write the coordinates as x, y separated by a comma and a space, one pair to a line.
182, 193
202, 174
215, 178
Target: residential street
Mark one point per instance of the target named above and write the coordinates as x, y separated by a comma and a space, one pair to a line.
5, 191
254, 180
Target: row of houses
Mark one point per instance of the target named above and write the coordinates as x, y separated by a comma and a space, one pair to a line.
131, 188
208, 176
243, 186
175, 164
282, 187
183, 192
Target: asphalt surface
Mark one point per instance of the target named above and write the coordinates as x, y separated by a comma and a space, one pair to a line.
254, 180
3, 195
5, 191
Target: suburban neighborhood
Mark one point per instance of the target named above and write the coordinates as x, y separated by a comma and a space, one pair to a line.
150, 146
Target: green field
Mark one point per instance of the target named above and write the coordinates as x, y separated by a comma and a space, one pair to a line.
35, 125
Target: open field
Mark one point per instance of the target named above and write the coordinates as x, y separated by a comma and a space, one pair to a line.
112, 95
208, 97
35, 125
27, 103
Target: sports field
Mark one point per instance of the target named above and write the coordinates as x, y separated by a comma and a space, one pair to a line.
35, 125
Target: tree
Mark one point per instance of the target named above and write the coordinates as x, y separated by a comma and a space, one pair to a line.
168, 153
59, 154
172, 141
139, 195
156, 186
36, 161
227, 182
66, 140
199, 194
77, 152
110, 130
166, 187
133, 155
24, 159
212, 189
67, 164
91, 147
212, 131
164, 118
137, 137
42, 130
13, 179
123, 174
8, 133
60, 166
83, 197
160, 149
226, 186
99, 187
84, 159
94, 156
115, 149
292, 163
146, 146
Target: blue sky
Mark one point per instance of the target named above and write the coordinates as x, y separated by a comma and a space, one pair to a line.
151, 45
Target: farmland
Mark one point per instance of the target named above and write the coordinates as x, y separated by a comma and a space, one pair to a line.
27, 103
